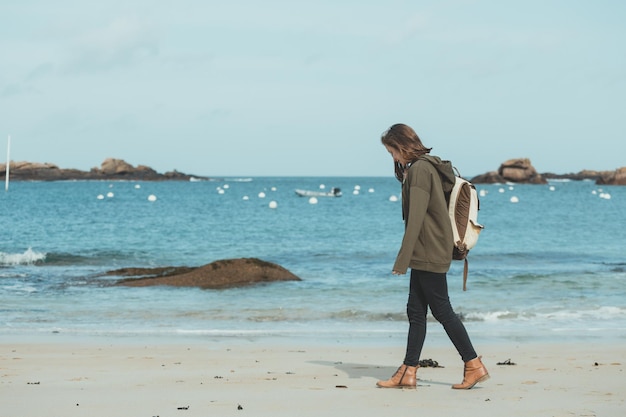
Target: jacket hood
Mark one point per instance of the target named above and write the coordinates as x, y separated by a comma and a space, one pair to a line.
445, 170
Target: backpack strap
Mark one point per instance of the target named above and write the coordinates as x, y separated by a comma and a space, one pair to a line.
465, 269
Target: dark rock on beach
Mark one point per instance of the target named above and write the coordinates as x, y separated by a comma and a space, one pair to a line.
110, 169
219, 274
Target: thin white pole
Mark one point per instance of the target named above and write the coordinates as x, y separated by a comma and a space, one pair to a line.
6, 181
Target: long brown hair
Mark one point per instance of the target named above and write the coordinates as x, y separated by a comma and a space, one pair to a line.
404, 139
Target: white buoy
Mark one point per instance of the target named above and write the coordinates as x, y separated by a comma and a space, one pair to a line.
100, 197
221, 191
355, 192
357, 187
110, 194
246, 198
273, 204
261, 194
393, 198
605, 196
226, 186
501, 190
482, 192
273, 188
152, 197
371, 190
514, 199
313, 200
322, 186
137, 186
552, 188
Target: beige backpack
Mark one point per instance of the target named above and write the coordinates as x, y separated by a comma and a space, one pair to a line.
463, 206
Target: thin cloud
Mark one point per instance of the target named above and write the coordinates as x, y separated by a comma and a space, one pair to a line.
16, 89
12, 90
411, 27
121, 43
40, 71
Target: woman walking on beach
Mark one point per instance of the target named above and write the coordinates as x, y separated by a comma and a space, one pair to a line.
427, 249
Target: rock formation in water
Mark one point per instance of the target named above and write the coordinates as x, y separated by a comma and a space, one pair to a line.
110, 169
521, 171
219, 274
518, 170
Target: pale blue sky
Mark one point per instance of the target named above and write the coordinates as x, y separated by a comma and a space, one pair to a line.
254, 88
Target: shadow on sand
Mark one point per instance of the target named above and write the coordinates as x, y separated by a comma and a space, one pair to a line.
361, 370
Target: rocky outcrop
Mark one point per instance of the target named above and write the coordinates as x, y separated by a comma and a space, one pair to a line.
518, 170
617, 177
219, 274
521, 171
585, 174
110, 169
112, 166
491, 177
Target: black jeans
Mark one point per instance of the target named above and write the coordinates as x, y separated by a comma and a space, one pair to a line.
430, 289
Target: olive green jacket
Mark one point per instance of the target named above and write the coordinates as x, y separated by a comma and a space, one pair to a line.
427, 243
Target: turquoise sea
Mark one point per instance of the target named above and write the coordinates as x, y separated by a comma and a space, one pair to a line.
551, 266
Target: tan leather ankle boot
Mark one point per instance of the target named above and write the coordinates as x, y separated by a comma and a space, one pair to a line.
474, 373
403, 378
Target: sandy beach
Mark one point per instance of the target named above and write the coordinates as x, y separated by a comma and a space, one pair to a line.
234, 377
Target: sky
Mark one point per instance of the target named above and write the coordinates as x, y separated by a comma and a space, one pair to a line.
306, 88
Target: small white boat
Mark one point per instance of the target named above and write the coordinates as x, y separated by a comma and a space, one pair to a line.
334, 192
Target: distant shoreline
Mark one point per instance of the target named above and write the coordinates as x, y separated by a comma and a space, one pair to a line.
119, 170
110, 170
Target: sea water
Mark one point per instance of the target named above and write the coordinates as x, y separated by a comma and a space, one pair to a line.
549, 265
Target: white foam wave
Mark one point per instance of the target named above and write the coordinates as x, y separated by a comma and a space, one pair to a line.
559, 180
26, 258
599, 313
21, 288
491, 316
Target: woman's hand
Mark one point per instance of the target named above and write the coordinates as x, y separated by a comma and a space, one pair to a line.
394, 272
